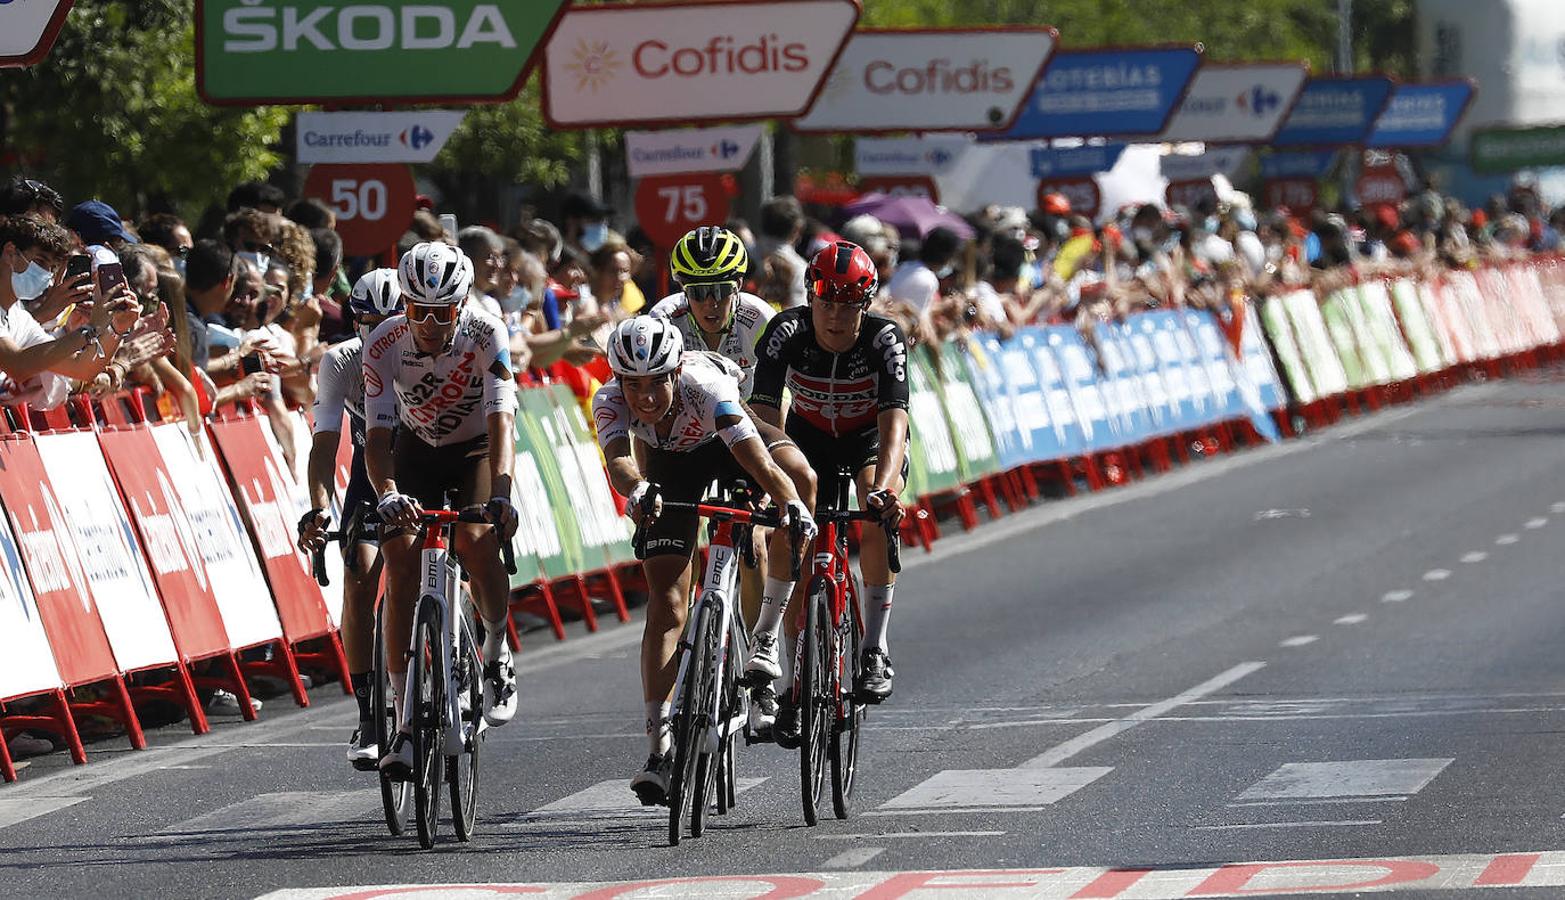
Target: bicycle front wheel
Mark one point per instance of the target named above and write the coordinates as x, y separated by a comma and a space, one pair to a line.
707, 763
850, 715
817, 708
690, 724
428, 735
462, 769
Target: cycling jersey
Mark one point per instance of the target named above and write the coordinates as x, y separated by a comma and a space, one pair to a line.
836, 393
445, 398
341, 388
708, 390
751, 315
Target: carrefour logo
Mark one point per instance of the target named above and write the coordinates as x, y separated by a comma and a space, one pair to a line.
418, 137
939, 157
1259, 100
725, 149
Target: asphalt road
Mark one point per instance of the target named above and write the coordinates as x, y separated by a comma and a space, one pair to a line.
1346, 648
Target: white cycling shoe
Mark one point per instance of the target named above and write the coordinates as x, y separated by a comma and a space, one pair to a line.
397, 764
500, 699
763, 666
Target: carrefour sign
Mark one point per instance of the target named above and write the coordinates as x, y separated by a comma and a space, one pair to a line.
691, 62
1237, 103
374, 137
931, 80
689, 150
306, 51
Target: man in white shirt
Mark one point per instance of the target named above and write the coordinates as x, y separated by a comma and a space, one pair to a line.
782, 221
917, 282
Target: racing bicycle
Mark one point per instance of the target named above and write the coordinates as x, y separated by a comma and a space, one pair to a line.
831, 717
710, 707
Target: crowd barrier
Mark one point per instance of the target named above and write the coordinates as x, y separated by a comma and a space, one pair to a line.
143, 563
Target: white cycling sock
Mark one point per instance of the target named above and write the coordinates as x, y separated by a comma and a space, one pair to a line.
660, 737
877, 600
774, 602
494, 639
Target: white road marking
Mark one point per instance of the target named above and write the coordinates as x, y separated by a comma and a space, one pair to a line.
852, 859
606, 800
1349, 823
16, 810
1299, 640
1265, 514
1350, 778
1437, 574
1557, 507
1539, 522
1396, 596
286, 809
1477, 556
994, 789
1352, 619
1333, 801
1061, 752
1507, 539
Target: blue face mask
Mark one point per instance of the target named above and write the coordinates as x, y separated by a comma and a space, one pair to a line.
30, 283
519, 299
594, 236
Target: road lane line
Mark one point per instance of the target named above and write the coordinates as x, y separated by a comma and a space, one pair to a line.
891, 835
1330, 801
1507, 539
1437, 574
852, 859
1299, 641
1061, 752
16, 810
1352, 619
1477, 556
1557, 507
1539, 522
1396, 596
1347, 823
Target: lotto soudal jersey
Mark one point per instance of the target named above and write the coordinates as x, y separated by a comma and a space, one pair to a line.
838, 393
341, 389
708, 390
751, 314
445, 398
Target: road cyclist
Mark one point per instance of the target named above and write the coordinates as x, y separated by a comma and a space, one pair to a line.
440, 406
684, 411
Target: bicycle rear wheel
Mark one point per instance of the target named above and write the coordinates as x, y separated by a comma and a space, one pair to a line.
689, 732
850, 718
396, 797
428, 736
817, 709
462, 769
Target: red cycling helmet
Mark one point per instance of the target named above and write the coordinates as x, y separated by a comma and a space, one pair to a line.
843, 273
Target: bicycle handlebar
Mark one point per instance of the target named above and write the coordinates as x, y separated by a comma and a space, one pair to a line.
437, 517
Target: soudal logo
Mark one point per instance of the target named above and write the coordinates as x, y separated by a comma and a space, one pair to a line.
322, 26
938, 76
1259, 100
418, 137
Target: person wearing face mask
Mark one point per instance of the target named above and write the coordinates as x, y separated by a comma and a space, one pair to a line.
250, 233
31, 359
376, 297
586, 221
916, 283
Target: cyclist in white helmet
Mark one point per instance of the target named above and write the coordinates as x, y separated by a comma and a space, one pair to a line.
440, 376
376, 297
683, 407
712, 313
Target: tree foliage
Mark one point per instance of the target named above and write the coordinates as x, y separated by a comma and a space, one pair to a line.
1232, 31
113, 113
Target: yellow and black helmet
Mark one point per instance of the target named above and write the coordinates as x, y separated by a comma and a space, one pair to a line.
709, 254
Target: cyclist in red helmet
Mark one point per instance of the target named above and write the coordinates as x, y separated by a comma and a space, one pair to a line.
846, 369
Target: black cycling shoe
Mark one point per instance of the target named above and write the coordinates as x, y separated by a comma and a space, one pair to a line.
785, 731
875, 674
651, 783
763, 715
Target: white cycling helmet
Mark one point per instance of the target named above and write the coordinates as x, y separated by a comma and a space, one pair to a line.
435, 274
376, 293
645, 346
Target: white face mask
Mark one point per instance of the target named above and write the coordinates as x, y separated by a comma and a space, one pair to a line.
31, 282
594, 236
519, 299
259, 260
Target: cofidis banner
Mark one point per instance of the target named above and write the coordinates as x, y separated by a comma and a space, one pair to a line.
1422, 115
1335, 111
1090, 93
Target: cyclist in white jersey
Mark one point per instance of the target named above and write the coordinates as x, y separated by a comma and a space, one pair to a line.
375, 298
441, 376
684, 409
712, 313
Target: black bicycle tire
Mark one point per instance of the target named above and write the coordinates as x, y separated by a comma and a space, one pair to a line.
684, 726
706, 763
428, 737
812, 743
394, 795
845, 736
464, 784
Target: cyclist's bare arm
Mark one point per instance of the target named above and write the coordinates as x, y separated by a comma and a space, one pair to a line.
323, 460
502, 452
751, 454
893, 448
377, 460
771, 415
624, 473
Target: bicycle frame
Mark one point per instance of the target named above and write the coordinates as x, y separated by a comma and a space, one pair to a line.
717, 595
438, 585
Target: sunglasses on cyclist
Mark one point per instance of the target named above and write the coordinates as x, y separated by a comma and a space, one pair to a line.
717, 291
838, 293
440, 314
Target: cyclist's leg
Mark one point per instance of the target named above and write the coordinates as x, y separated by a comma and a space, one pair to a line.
418, 470
792, 457
875, 672
361, 579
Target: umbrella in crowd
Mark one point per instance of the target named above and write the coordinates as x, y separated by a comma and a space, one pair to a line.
911, 216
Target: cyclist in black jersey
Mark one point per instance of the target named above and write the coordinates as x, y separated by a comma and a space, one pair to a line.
847, 372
